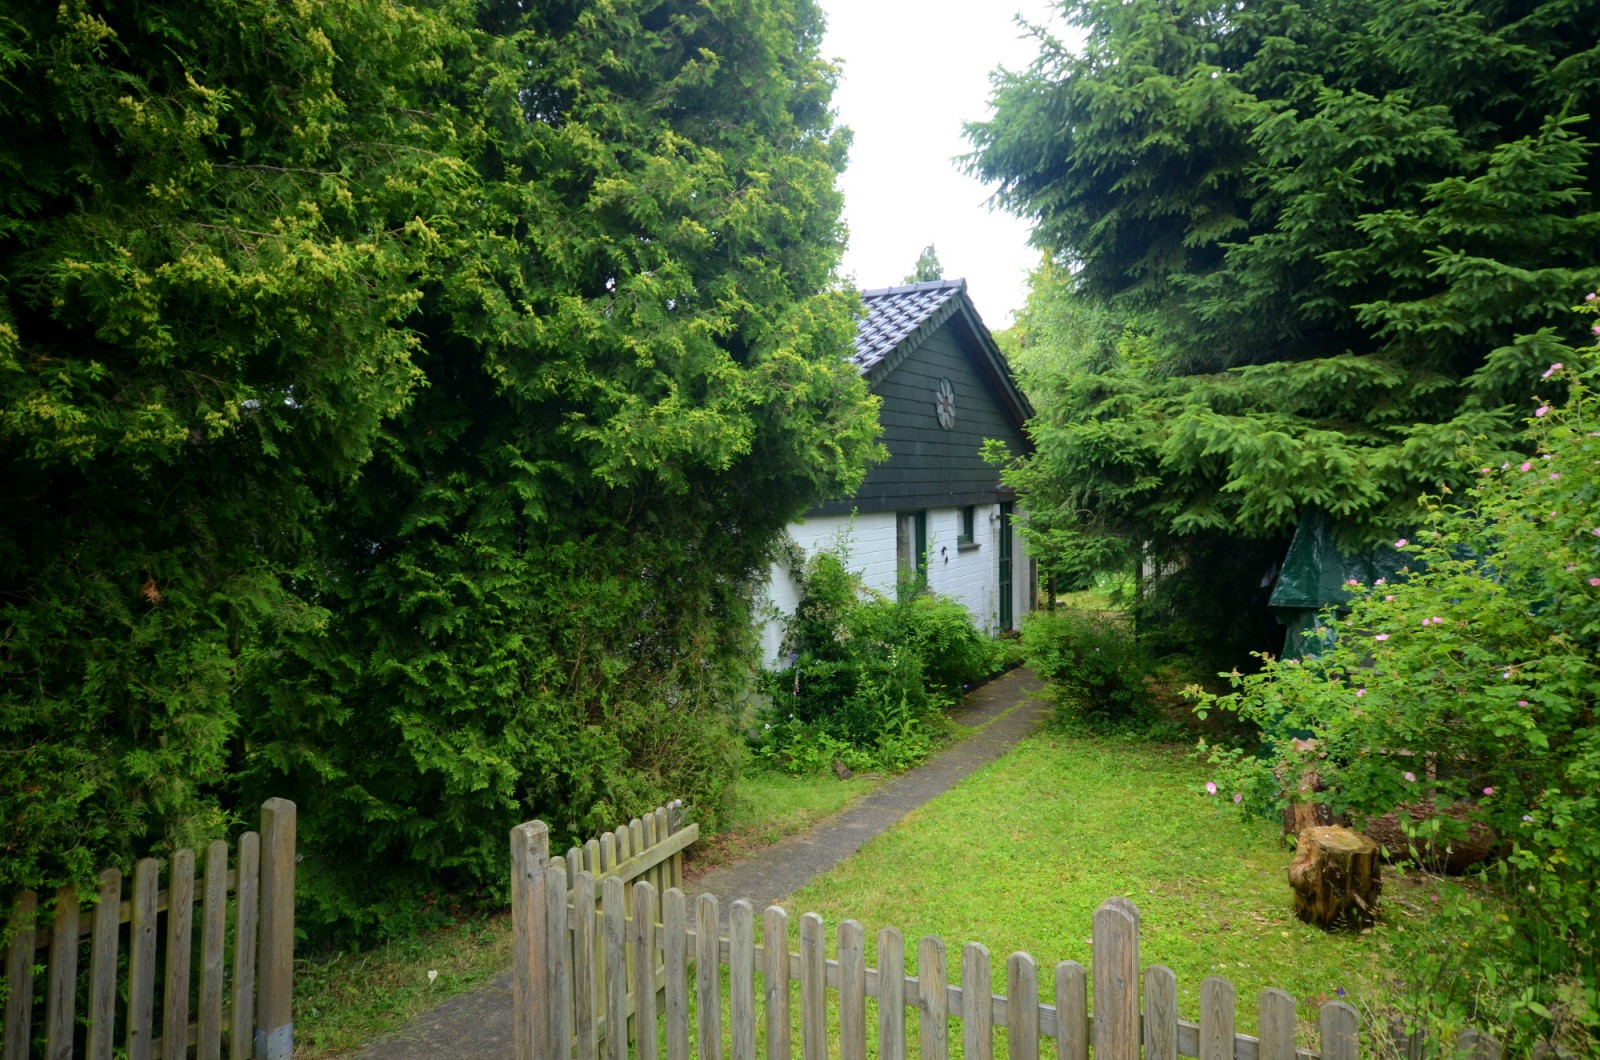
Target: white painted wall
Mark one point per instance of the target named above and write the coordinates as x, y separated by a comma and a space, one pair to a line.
970, 575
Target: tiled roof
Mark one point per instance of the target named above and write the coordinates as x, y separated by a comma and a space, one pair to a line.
895, 314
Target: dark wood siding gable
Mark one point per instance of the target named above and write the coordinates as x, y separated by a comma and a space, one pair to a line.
929, 467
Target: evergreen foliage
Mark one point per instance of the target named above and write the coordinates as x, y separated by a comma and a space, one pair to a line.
212, 224
927, 267
402, 400
1318, 245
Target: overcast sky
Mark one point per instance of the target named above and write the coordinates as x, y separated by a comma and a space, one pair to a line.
914, 71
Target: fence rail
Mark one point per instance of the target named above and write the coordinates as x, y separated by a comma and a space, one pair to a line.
628, 964
251, 1008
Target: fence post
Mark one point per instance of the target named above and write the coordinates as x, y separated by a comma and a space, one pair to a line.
530, 857
1116, 981
19, 976
274, 1032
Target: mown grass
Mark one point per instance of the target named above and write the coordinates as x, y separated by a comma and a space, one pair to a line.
343, 1001
769, 806
1020, 855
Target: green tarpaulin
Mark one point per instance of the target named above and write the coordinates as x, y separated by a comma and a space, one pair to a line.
1316, 575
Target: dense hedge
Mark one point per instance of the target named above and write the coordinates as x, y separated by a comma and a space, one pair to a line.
396, 402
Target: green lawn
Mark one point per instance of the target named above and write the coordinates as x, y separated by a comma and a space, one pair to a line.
1019, 856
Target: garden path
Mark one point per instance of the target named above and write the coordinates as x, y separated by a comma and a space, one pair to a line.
477, 1025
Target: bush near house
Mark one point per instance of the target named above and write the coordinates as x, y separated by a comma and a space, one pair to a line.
867, 676
1473, 682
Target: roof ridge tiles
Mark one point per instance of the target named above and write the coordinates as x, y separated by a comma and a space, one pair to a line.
959, 284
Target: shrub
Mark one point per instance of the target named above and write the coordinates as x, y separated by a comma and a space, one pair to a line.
1474, 680
867, 674
1095, 664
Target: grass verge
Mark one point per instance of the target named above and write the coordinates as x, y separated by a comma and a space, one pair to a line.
345, 1001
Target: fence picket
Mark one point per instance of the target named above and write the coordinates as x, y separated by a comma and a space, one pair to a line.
213, 940
1116, 982
1022, 1007
652, 836
742, 980
1160, 1013
813, 987
103, 967
274, 1030
675, 913
614, 939
644, 963
775, 976
852, 991
674, 819
530, 988
1216, 1018
247, 921
142, 959
180, 926
1476, 1046
891, 994
1340, 1026
1410, 1043
1277, 1022
708, 977
584, 973
977, 1007
1072, 1011
933, 1003
61, 999
19, 977
558, 959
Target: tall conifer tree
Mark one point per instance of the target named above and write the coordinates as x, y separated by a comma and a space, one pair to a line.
1346, 233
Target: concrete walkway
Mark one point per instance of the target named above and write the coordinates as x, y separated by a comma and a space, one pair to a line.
477, 1025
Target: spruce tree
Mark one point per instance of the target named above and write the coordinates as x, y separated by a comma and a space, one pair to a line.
1347, 234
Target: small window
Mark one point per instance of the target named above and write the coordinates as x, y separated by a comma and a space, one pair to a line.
968, 538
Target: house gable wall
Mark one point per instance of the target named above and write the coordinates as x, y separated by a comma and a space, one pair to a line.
929, 467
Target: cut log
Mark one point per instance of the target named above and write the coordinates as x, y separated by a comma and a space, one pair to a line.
1456, 856
1335, 877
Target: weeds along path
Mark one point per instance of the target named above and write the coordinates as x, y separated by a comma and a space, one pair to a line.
477, 1025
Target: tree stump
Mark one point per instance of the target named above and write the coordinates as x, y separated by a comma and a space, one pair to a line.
1302, 811
1335, 877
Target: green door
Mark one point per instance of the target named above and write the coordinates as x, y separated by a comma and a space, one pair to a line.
1007, 618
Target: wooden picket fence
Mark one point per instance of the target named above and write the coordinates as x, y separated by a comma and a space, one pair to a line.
254, 1018
581, 969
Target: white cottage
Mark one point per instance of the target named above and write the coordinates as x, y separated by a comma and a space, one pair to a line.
934, 502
